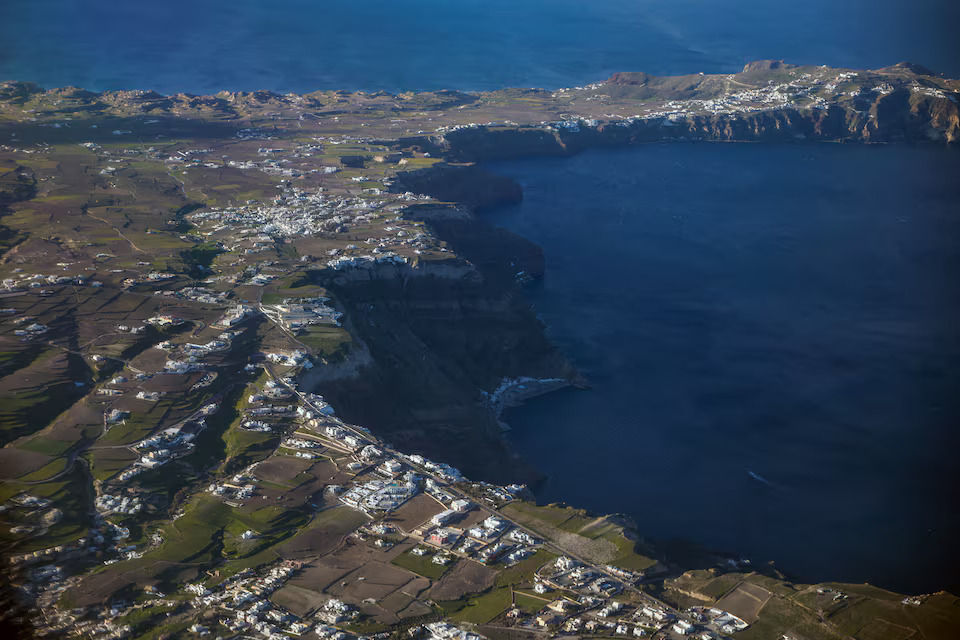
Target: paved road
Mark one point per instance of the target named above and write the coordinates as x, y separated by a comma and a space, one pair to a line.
489, 510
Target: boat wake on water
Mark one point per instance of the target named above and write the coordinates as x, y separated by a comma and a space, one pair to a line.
759, 478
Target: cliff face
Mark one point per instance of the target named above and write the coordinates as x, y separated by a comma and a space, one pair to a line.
470, 186
438, 335
899, 116
436, 343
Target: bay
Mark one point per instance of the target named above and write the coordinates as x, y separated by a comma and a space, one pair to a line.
786, 311
771, 333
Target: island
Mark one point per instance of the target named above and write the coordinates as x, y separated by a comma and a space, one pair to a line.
254, 349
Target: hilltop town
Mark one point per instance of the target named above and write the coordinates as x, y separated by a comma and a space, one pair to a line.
253, 348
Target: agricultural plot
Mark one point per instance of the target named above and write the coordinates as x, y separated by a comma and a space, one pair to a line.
414, 512
745, 601
325, 533
464, 577
301, 601
422, 565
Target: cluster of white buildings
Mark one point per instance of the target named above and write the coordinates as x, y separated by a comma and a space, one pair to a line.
242, 600
345, 438
235, 315
197, 294
442, 470
294, 212
151, 277
257, 414
294, 314
294, 359
182, 366
127, 505
240, 487
304, 448
31, 330
583, 579
316, 404
365, 261
162, 447
256, 425
172, 438
585, 609
380, 496
39, 280
256, 227
718, 620
336, 611
447, 631
493, 540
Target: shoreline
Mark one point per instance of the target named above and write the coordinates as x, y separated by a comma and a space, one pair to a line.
513, 392
675, 549
454, 406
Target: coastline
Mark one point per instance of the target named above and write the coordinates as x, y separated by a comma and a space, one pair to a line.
513, 392
438, 336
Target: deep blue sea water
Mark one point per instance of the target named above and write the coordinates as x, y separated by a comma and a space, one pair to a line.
789, 311
785, 310
203, 46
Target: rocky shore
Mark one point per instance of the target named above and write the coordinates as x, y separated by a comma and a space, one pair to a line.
513, 393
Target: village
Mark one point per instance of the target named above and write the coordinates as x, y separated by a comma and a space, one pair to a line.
457, 522
378, 482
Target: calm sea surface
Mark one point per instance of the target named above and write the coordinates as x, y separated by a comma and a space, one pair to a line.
788, 311
782, 310
301, 45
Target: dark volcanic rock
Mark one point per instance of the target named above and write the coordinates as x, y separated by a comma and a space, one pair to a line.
468, 185
435, 342
901, 115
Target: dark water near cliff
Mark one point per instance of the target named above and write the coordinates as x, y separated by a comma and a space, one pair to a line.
302, 45
786, 310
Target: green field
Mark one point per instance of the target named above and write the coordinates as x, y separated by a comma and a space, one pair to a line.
421, 565
479, 609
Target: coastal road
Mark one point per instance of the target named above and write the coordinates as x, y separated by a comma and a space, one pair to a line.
645, 597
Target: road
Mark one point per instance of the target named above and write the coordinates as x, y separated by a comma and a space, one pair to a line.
645, 597
106, 222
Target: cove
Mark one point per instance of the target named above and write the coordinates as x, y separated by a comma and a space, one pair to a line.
771, 336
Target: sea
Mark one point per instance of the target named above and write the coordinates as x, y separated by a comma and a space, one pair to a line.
770, 331
771, 336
